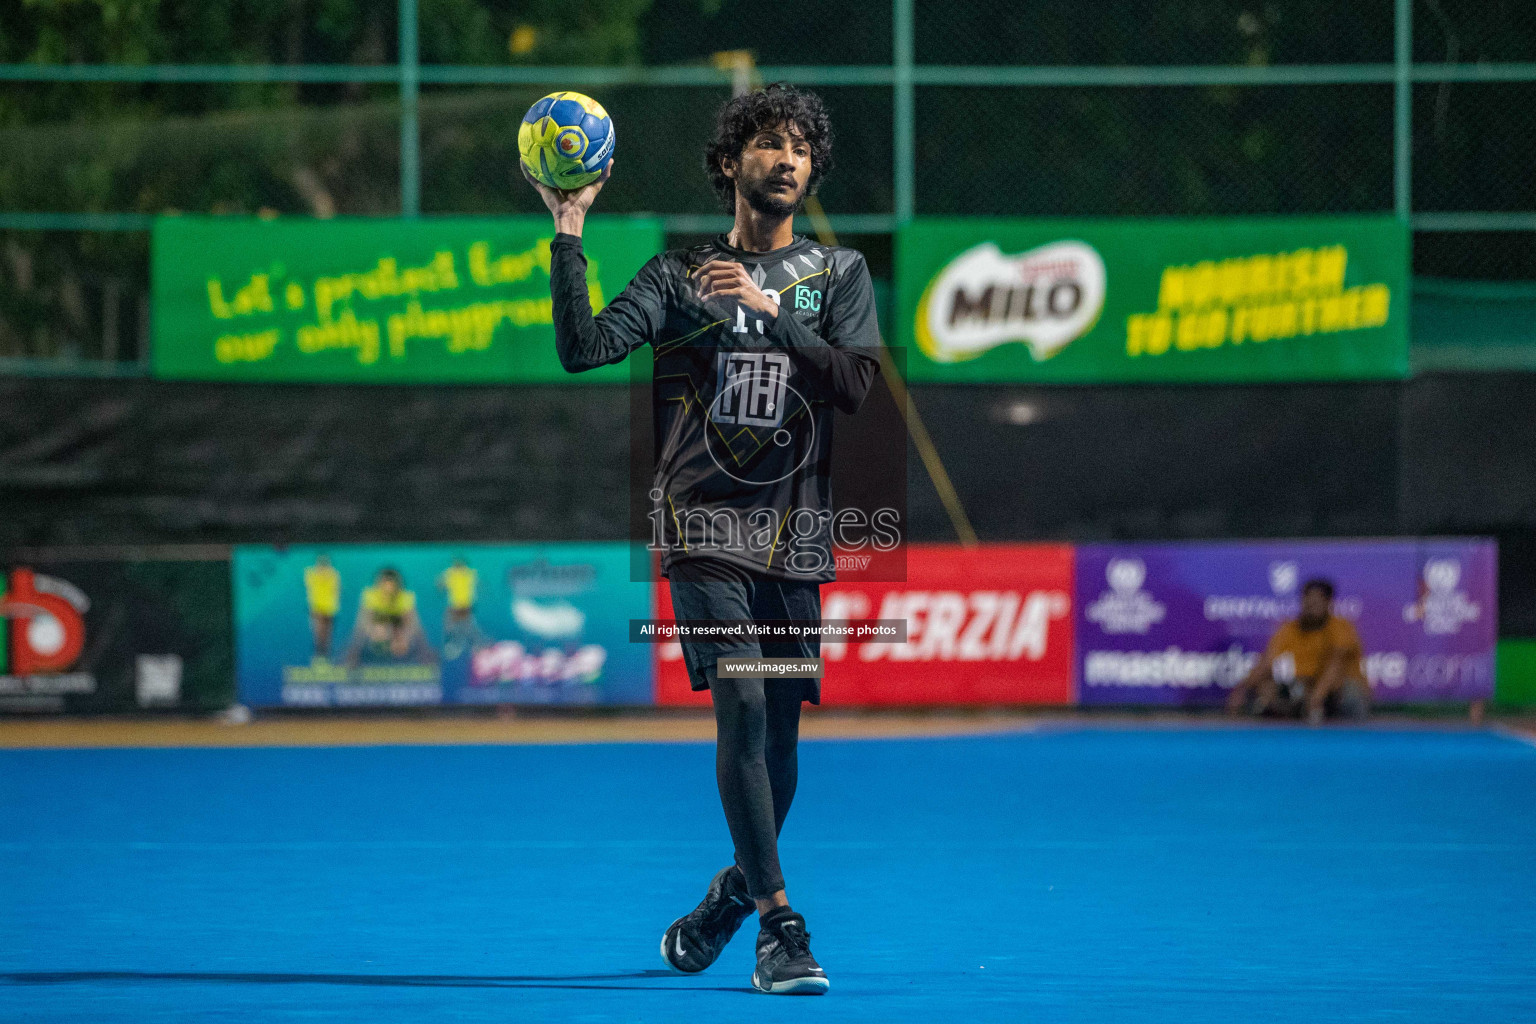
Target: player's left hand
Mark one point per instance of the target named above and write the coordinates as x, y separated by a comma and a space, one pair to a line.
726, 280
569, 206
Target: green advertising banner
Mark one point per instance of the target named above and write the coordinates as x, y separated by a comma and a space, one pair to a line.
374, 301
1125, 301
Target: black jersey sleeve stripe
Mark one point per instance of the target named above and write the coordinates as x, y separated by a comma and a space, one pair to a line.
673, 343
632, 319
807, 277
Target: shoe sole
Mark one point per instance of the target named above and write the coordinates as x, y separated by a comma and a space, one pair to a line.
793, 987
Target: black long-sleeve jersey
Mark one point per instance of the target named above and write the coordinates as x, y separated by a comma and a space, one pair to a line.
743, 404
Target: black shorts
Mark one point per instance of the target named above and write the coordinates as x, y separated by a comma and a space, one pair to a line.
1351, 700
706, 588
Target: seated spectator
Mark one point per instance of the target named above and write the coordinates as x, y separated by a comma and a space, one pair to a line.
1312, 666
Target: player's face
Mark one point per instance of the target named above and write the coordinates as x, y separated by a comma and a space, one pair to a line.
1314, 605
773, 170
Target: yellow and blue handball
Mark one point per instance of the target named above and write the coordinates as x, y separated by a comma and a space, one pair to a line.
565, 141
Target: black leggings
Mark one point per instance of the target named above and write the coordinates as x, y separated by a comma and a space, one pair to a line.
757, 728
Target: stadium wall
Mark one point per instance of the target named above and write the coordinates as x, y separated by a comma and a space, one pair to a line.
145, 462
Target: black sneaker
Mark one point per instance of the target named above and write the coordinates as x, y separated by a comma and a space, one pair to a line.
784, 962
691, 943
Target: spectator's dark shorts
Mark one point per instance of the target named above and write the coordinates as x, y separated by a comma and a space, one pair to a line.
1352, 701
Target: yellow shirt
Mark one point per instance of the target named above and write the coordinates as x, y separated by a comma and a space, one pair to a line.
459, 581
1310, 649
322, 585
389, 607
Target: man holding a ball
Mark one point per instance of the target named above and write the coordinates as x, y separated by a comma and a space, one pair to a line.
758, 335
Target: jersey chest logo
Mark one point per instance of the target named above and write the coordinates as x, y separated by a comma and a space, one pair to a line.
805, 297
749, 388
795, 284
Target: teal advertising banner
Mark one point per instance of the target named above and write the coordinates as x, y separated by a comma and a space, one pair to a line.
374, 301
1125, 301
348, 625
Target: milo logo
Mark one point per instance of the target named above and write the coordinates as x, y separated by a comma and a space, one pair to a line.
1043, 298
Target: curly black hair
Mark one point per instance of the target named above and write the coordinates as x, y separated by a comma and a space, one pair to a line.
744, 116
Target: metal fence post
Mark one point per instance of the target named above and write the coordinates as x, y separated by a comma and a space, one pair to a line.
1402, 109
410, 127
901, 60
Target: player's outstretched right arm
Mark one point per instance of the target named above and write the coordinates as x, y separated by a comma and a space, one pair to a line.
632, 319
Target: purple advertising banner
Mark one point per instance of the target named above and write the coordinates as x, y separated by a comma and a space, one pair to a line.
1181, 624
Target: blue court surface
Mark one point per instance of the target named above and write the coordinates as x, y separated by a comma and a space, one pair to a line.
1071, 874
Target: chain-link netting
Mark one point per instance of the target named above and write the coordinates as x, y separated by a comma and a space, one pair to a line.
1476, 255
469, 149
1473, 146
1151, 32
214, 31
333, 148
74, 295
1473, 31
76, 153
1154, 151
146, 149
798, 33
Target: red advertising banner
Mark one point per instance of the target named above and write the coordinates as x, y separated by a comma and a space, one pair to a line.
988, 625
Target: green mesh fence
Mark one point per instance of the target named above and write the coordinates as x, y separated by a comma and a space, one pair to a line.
111, 115
1153, 32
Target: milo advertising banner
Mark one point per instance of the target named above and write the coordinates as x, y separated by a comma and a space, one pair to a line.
1150, 300
353, 625
383, 301
1183, 623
